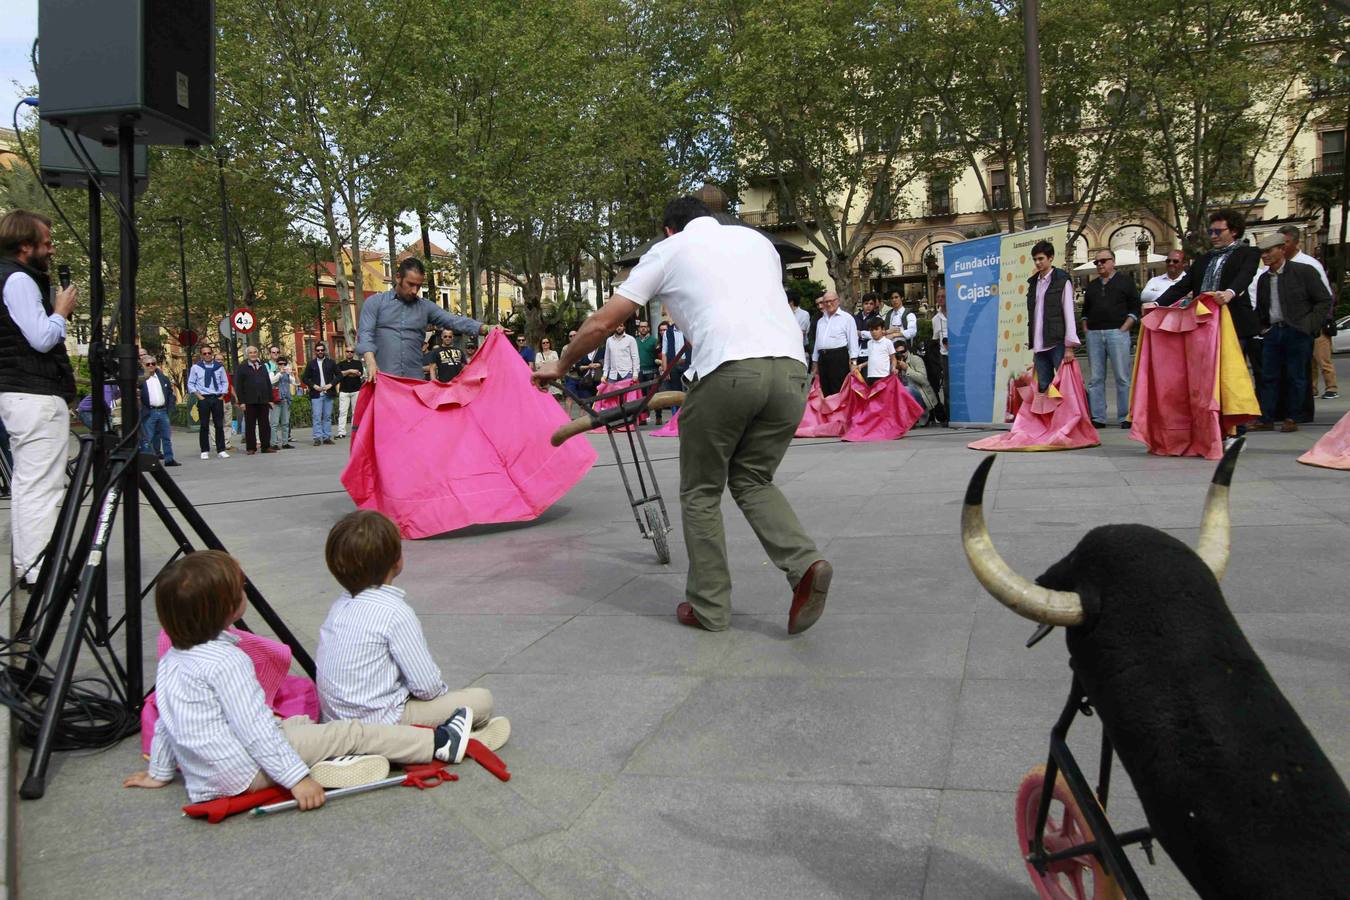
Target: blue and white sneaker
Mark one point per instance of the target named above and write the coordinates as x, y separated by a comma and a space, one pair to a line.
452, 736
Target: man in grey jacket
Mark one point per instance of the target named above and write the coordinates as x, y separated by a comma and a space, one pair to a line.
393, 324
1291, 304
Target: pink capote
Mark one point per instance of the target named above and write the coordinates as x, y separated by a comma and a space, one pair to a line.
1333, 450
1190, 381
1055, 420
435, 457
287, 695
670, 429
603, 405
882, 412
824, 416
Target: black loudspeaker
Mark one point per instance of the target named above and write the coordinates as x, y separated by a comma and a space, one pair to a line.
62, 168
152, 62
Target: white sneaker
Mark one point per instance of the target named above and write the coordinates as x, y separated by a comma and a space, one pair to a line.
206, 455
494, 733
222, 455
349, 771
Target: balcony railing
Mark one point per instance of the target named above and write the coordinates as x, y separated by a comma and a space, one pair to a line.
939, 206
1326, 164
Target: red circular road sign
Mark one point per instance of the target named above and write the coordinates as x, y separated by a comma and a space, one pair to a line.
242, 319
187, 338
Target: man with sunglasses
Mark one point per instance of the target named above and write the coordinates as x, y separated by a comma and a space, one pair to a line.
1226, 271
1110, 312
208, 382
157, 402
1175, 268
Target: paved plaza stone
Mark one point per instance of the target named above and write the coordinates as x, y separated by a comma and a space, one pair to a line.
877, 755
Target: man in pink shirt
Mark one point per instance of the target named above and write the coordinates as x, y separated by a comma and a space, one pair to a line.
1049, 314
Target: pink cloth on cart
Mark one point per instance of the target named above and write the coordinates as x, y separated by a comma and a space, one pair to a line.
603, 405
883, 412
1333, 450
1055, 420
437, 456
286, 694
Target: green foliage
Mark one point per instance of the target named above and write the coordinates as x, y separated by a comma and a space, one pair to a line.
808, 290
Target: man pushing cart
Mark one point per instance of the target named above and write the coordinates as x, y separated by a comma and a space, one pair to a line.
723, 287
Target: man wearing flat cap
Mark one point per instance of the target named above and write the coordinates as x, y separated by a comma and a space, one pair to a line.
1291, 304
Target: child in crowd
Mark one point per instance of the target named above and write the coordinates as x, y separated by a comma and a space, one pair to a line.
880, 353
373, 662
215, 725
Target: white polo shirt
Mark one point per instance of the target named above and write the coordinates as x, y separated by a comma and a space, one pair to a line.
723, 285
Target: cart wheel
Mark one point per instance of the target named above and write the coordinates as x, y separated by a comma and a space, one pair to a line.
656, 528
1079, 878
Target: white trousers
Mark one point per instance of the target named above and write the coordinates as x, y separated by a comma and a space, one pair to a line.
39, 438
346, 405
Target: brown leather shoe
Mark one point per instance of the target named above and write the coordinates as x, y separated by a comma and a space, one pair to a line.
1288, 426
684, 614
808, 597
1261, 426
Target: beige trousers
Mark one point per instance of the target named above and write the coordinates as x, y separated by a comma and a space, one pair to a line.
316, 742
1322, 363
437, 710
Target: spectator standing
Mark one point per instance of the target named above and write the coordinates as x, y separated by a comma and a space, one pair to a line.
350, 374
647, 350
547, 356
525, 350
285, 394
802, 317
900, 322
1110, 312
1322, 363
37, 383
274, 375
445, 360
85, 409
208, 382
870, 302
941, 373
1175, 269
157, 404
1291, 304
621, 356
880, 354
835, 346
1050, 317
321, 377
253, 391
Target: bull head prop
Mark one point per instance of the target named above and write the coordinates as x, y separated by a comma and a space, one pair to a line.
1233, 784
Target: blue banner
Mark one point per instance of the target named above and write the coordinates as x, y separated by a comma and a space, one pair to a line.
972, 281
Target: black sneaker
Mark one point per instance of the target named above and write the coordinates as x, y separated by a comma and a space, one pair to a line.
173, 462
328, 440
1096, 424
317, 442
1332, 395
452, 736
287, 446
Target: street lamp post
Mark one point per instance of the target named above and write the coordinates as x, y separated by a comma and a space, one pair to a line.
229, 271
318, 290
1038, 214
182, 272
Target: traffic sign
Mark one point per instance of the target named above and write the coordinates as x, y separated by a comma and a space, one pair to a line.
187, 338
243, 320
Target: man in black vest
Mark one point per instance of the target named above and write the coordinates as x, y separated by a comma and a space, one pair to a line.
1292, 302
1049, 314
36, 383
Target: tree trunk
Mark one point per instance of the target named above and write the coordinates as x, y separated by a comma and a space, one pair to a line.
841, 270
358, 279
339, 268
393, 251
427, 259
533, 296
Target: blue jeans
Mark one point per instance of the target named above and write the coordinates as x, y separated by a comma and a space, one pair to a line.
155, 436
1047, 364
322, 406
1115, 344
1288, 356
281, 431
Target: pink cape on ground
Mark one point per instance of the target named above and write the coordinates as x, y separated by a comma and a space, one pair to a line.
1333, 450
1190, 381
883, 412
437, 456
1055, 420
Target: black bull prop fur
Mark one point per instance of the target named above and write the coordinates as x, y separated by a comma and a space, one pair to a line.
1233, 784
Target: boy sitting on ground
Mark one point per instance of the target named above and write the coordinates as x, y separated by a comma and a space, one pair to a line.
373, 662
214, 723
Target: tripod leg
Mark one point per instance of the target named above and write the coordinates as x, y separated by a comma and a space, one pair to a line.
54, 558
35, 784
255, 597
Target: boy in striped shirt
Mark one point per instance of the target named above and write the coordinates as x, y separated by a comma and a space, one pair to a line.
214, 723
373, 662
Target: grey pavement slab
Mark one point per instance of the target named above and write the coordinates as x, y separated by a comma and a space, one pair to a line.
879, 754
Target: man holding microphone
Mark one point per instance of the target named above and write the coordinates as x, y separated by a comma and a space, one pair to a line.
37, 383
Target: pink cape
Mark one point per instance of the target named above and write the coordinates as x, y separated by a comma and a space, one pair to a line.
1055, 420
1333, 450
1190, 381
883, 412
613, 402
435, 457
